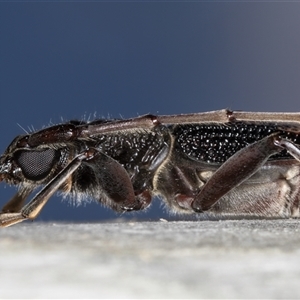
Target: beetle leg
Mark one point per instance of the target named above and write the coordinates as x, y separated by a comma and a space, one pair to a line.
113, 184
289, 146
239, 167
143, 200
16, 202
33, 208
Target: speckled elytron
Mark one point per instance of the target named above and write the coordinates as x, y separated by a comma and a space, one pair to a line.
218, 163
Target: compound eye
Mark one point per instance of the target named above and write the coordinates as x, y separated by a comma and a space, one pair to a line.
37, 164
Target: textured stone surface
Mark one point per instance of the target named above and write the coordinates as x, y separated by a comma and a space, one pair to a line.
205, 259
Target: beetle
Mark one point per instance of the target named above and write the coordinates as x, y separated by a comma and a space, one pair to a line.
218, 163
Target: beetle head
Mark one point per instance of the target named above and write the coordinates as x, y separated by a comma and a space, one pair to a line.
22, 163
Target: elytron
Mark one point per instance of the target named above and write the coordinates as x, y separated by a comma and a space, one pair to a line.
226, 163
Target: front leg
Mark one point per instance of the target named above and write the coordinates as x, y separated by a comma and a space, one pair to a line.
16, 203
239, 167
33, 208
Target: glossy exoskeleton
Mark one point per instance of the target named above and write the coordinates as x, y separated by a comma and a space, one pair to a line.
219, 162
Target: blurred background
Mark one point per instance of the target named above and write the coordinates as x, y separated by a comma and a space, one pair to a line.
61, 61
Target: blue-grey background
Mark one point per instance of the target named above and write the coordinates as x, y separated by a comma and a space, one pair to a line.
70, 60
